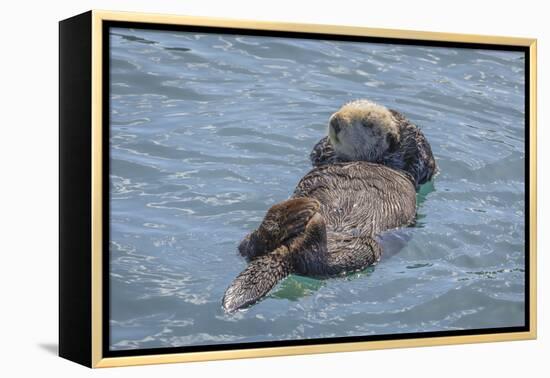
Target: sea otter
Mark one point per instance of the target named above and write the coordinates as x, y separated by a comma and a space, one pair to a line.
364, 181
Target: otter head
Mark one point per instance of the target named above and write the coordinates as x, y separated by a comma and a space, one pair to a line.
363, 130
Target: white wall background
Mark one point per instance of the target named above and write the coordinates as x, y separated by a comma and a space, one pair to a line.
28, 190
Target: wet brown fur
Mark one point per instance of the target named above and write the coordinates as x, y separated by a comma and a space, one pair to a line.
329, 225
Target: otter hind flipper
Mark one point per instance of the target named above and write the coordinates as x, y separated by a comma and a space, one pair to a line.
303, 242
282, 222
259, 277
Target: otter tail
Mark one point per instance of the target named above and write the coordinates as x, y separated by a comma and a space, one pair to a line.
261, 275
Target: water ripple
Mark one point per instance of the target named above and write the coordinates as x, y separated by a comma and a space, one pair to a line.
208, 131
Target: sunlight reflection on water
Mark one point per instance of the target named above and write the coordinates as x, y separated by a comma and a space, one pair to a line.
208, 131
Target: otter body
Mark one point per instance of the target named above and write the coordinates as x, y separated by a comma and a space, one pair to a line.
364, 182
360, 198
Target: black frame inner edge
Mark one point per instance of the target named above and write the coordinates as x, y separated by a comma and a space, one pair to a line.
105, 98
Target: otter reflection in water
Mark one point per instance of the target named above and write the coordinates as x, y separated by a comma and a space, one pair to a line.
364, 181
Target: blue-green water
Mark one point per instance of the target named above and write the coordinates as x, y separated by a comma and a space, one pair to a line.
209, 131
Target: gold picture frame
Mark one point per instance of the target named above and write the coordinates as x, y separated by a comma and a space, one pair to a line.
82, 204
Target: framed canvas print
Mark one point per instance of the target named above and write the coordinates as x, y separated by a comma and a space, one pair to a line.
235, 189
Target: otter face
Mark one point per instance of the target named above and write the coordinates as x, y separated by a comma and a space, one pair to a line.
362, 130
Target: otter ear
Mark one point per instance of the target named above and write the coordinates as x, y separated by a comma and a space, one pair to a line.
393, 142
261, 275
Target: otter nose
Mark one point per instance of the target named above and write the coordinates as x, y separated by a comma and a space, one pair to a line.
335, 124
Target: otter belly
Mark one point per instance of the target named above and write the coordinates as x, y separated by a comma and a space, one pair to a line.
360, 197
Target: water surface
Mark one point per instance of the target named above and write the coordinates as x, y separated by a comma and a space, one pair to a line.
209, 131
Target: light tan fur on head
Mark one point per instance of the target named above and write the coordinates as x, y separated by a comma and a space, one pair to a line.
362, 130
